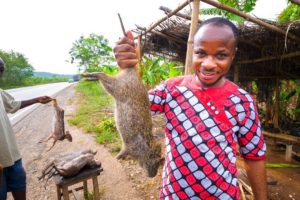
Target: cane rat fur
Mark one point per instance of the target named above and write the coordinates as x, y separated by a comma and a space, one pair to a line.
133, 117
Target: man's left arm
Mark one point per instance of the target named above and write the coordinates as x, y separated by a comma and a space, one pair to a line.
256, 173
41, 99
253, 148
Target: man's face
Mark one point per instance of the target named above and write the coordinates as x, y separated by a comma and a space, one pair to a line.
214, 50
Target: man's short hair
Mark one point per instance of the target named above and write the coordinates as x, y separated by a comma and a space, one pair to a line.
220, 21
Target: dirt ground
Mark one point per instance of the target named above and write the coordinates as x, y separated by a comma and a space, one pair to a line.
120, 180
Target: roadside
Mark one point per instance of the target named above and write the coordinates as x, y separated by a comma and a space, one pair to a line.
114, 181
120, 180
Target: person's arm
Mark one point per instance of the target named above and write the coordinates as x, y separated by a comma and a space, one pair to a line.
41, 99
256, 173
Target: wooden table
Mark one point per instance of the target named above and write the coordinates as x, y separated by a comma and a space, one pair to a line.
288, 139
62, 183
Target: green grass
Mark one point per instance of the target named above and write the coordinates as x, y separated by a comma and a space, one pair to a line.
95, 114
106, 131
281, 165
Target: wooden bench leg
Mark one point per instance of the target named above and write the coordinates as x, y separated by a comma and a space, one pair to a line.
96, 188
75, 194
288, 152
85, 189
65, 192
58, 191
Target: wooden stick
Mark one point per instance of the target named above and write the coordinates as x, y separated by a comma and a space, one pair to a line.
243, 196
246, 186
177, 40
250, 18
282, 136
184, 16
190, 45
295, 2
122, 25
276, 57
167, 16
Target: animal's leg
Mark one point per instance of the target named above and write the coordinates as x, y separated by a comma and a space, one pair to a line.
123, 153
51, 136
46, 170
54, 141
109, 82
68, 136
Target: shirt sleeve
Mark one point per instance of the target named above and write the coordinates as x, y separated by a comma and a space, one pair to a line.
157, 97
250, 137
10, 104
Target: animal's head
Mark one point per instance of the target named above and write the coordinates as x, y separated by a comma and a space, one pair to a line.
153, 160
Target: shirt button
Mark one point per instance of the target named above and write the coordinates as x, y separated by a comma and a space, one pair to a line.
217, 112
213, 107
208, 103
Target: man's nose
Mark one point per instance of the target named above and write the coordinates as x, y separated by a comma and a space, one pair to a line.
209, 62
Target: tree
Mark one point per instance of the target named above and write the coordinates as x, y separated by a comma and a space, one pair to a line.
290, 13
17, 68
242, 5
93, 53
155, 69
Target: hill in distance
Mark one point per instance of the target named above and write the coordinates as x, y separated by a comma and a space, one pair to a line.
51, 75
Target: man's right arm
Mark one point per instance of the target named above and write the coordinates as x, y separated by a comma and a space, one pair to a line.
125, 52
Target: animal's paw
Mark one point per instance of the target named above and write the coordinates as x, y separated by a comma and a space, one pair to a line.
94, 76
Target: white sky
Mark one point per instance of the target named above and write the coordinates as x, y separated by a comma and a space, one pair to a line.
44, 30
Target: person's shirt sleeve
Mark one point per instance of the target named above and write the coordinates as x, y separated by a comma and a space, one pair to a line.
157, 97
250, 137
10, 104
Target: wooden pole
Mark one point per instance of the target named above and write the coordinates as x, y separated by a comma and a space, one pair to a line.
284, 56
190, 45
181, 6
236, 73
277, 105
250, 18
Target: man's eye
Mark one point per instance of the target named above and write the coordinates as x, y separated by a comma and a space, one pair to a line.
201, 54
221, 56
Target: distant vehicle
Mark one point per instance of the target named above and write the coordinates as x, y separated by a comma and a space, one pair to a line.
70, 80
76, 77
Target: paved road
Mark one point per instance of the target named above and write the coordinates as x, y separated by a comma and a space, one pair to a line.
31, 92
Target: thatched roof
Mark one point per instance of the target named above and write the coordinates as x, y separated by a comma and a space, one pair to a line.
262, 53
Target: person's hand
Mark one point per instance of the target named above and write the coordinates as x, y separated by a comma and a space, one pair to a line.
125, 52
44, 99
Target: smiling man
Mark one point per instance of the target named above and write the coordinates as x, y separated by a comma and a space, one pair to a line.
207, 118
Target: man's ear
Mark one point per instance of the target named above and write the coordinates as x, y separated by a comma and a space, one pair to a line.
234, 53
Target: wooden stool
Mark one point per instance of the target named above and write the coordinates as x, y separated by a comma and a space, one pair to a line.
62, 183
